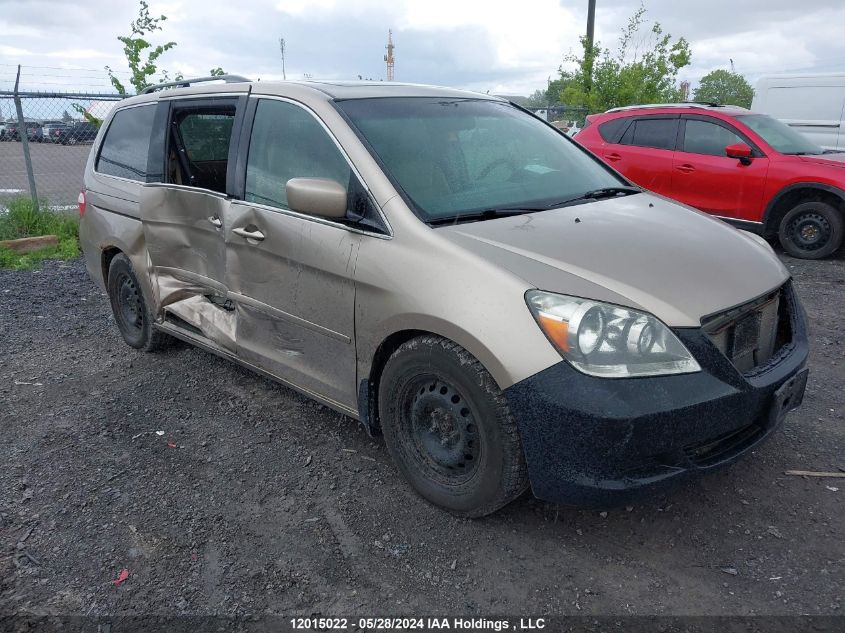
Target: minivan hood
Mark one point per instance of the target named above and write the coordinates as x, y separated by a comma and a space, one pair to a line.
641, 251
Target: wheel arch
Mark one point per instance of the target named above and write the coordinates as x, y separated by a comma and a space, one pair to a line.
794, 194
370, 375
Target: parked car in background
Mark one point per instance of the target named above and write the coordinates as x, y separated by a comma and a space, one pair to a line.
10, 131
450, 270
3, 126
747, 168
77, 133
34, 131
52, 130
813, 104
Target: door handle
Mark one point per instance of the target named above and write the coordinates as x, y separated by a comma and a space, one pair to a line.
215, 221
250, 235
613, 157
686, 168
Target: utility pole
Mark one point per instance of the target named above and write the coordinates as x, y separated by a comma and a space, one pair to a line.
282, 50
591, 32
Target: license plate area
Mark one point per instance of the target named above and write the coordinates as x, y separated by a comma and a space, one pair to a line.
789, 396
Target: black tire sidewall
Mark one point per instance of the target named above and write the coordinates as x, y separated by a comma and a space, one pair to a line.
119, 267
485, 487
830, 213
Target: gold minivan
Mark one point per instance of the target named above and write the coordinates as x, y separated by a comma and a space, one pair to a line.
451, 271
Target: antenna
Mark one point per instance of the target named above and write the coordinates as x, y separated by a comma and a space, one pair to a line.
282, 50
389, 57
732, 64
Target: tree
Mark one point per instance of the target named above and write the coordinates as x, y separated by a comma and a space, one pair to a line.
135, 46
537, 100
142, 64
724, 87
66, 117
643, 69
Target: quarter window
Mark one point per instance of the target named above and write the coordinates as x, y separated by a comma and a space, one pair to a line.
126, 146
655, 133
702, 137
287, 142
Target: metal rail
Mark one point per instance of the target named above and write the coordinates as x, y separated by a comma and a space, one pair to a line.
184, 83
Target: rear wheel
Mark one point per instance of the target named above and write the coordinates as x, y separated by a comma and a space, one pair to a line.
812, 230
131, 313
449, 429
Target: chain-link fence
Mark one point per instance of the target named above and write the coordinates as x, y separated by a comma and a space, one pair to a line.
570, 119
45, 138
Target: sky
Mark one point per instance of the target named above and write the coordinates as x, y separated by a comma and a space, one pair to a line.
502, 47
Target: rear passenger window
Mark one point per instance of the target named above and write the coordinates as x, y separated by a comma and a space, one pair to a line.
199, 146
701, 137
126, 146
287, 142
611, 130
656, 133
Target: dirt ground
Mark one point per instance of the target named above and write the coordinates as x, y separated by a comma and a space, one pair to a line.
255, 500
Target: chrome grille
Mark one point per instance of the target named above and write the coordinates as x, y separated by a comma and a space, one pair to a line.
751, 334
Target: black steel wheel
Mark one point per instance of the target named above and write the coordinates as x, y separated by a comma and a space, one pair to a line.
812, 230
130, 310
449, 429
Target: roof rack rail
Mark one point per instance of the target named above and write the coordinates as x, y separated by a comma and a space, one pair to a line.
184, 83
682, 104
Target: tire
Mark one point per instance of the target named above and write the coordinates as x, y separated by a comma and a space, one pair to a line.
133, 317
812, 230
448, 428
72, 141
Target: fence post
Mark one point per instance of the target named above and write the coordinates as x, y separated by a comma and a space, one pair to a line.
25, 143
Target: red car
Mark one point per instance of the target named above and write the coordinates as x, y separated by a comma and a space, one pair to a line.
747, 168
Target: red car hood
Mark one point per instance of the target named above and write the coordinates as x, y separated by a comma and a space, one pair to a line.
831, 160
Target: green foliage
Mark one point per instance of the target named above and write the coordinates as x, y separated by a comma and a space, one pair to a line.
142, 64
537, 100
97, 122
216, 72
643, 69
21, 219
726, 88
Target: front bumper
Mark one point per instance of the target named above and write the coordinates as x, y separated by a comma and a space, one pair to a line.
601, 442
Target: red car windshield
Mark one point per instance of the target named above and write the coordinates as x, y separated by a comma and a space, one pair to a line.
779, 135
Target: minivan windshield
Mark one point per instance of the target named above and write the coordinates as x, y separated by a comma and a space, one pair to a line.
472, 159
780, 136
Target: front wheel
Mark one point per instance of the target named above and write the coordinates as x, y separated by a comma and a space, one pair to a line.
133, 317
812, 230
449, 429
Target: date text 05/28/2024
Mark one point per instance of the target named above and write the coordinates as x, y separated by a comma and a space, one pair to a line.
409, 624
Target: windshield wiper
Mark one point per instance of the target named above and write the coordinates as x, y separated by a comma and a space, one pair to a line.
609, 192
486, 214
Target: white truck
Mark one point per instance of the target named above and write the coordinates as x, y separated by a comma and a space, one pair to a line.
813, 104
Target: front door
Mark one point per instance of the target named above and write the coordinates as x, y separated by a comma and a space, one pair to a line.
645, 152
291, 274
704, 177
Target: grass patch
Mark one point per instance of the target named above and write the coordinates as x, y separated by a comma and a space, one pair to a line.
22, 219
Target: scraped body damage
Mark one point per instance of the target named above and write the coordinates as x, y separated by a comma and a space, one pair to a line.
284, 303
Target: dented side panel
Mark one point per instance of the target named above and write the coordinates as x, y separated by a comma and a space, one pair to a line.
295, 298
186, 249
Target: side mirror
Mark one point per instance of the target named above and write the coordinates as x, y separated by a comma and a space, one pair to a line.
740, 151
316, 196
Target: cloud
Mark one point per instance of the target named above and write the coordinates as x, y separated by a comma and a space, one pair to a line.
481, 45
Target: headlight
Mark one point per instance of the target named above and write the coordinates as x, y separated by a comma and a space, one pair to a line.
601, 339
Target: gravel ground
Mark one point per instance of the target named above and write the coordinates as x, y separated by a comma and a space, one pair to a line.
255, 500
